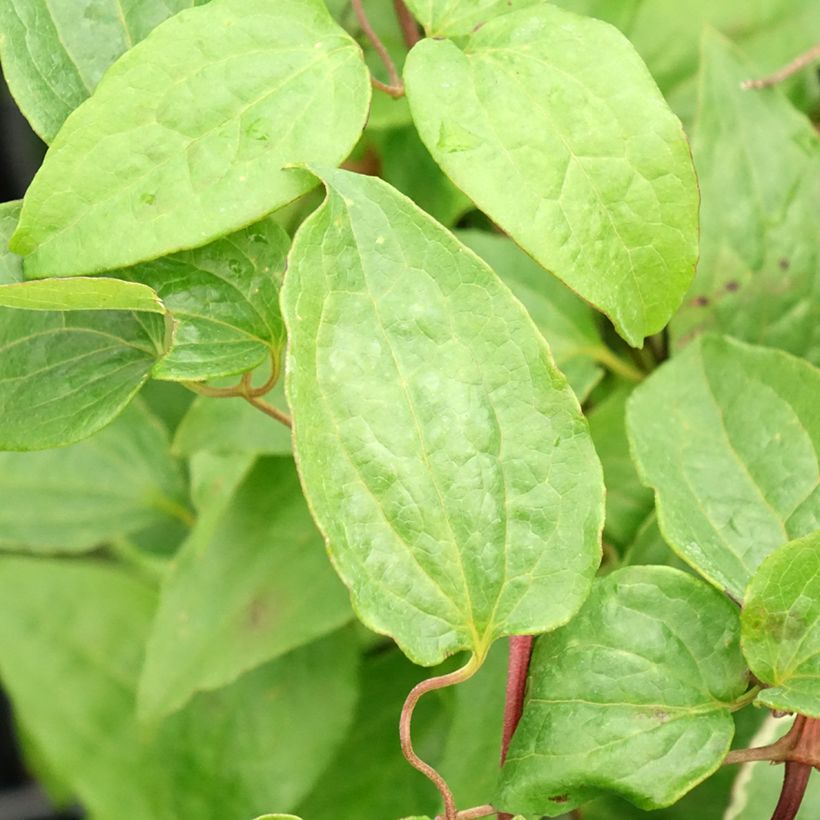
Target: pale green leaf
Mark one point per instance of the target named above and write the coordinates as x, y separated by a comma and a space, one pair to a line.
758, 162
81, 293
72, 637
248, 586
444, 457
628, 502
781, 627
446, 18
54, 54
633, 696
552, 125
757, 785
231, 425
666, 33
11, 265
75, 498
225, 302
64, 374
369, 778
567, 322
727, 435
186, 137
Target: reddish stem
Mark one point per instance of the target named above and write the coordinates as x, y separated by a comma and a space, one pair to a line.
409, 26
794, 787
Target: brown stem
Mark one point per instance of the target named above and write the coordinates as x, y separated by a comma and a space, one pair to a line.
409, 26
795, 781
801, 744
781, 74
430, 685
472, 814
395, 88
270, 410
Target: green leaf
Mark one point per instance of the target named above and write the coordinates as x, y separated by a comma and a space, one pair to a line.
781, 627
225, 302
407, 165
76, 498
453, 17
554, 128
567, 322
231, 425
649, 548
369, 778
628, 502
758, 160
72, 635
11, 265
633, 696
249, 585
443, 456
758, 785
74, 353
186, 137
727, 435
54, 54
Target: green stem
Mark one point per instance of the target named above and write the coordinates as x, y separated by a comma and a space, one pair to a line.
130, 553
746, 698
603, 355
175, 509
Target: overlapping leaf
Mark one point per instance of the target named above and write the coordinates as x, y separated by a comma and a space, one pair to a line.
444, 457
633, 696
448, 18
76, 498
566, 321
727, 434
72, 637
225, 302
11, 265
758, 162
781, 627
251, 583
187, 136
54, 54
72, 355
552, 125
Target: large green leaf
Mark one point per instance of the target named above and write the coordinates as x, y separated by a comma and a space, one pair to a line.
628, 502
186, 137
781, 626
552, 125
71, 639
667, 35
567, 322
727, 435
757, 785
452, 17
369, 778
72, 355
76, 498
11, 265
247, 587
444, 457
54, 54
758, 162
225, 302
633, 696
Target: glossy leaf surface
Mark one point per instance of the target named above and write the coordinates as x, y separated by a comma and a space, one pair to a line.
76, 498
225, 302
758, 162
731, 485
567, 322
83, 625
54, 54
187, 136
66, 373
250, 584
632, 696
781, 627
443, 456
552, 125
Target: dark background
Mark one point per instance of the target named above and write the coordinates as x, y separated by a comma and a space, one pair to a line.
20, 154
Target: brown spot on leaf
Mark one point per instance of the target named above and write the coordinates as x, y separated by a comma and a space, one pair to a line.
701, 301
559, 798
784, 263
732, 286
